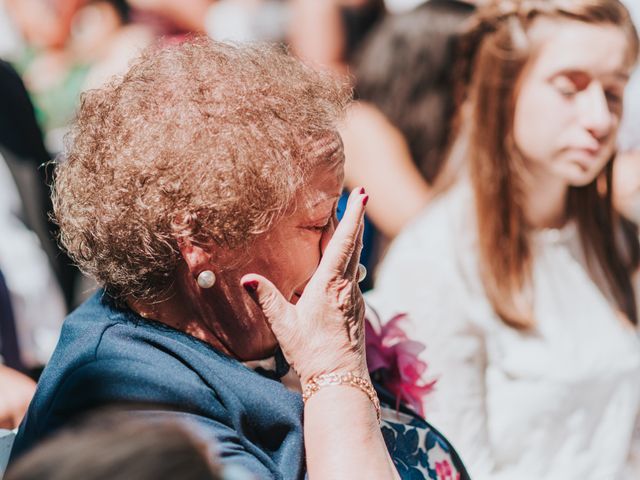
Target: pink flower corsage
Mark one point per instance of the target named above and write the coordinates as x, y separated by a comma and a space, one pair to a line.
393, 361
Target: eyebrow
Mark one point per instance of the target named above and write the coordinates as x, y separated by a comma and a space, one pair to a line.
623, 77
325, 199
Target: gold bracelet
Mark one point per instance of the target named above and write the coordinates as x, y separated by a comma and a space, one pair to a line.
348, 378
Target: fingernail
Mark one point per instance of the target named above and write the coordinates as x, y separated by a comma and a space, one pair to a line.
361, 190
251, 285
365, 200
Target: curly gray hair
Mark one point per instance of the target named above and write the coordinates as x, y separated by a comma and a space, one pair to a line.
199, 139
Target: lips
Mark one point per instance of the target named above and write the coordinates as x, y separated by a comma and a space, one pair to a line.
586, 158
588, 154
587, 150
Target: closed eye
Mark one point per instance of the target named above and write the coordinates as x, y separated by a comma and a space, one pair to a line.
318, 228
321, 224
324, 223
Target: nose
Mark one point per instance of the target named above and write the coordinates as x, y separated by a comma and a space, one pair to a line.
596, 115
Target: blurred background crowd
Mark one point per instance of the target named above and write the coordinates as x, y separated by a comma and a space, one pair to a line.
399, 56
404, 59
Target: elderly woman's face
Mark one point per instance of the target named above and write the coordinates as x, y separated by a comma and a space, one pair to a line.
288, 255
291, 252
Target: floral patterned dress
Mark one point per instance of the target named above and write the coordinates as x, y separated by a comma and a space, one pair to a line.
418, 450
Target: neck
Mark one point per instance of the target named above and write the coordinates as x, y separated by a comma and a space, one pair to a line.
545, 201
218, 316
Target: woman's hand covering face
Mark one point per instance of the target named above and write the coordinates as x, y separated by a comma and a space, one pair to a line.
324, 331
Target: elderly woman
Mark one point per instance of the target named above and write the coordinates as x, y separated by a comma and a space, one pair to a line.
200, 190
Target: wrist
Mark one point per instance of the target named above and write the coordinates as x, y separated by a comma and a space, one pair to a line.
357, 367
351, 379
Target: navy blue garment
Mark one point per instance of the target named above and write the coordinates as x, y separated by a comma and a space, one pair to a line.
109, 356
9, 349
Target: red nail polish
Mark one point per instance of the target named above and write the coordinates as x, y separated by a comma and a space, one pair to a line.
365, 200
361, 190
251, 285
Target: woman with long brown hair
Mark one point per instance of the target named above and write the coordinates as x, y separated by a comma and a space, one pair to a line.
520, 276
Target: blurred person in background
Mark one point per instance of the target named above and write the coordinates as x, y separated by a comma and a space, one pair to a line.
31, 303
104, 38
120, 446
71, 45
200, 191
407, 69
35, 300
327, 34
33, 306
397, 135
521, 277
225, 20
629, 138
627, 167
29, 174
183, 16
45, 27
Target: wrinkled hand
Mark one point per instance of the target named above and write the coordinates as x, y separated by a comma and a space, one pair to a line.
16, 391
324, 331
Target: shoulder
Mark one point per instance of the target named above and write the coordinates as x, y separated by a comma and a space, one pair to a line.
365, 128
103, 357
110, 354
443, 231
365, 115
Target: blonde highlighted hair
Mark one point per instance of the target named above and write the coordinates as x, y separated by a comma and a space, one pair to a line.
499, 47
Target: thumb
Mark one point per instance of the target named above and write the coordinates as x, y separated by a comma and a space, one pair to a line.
272, 303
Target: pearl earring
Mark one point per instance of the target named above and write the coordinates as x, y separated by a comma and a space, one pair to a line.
206, 279
362, 272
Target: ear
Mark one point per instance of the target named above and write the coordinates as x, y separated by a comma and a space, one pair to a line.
195, 257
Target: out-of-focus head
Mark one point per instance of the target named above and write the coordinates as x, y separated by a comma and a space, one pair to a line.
406, 68
43, 23
547, 83
95, 23
119, 446
206, 144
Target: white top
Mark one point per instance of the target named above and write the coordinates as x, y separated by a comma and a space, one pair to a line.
560, 403
629, 136
36, 298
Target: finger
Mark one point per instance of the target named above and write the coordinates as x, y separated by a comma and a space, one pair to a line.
352, 267
341, 246
353, 195
272, 303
